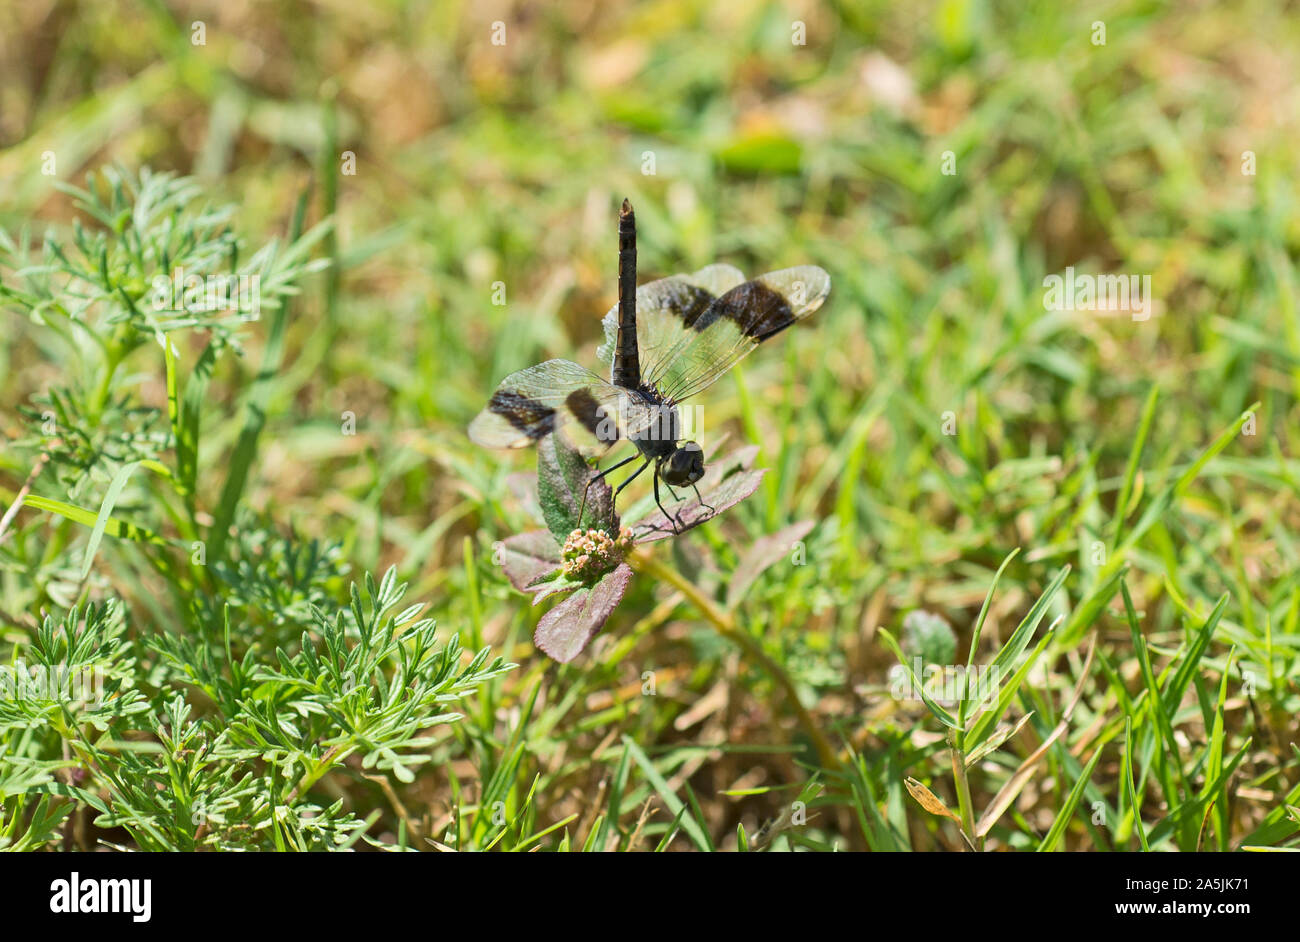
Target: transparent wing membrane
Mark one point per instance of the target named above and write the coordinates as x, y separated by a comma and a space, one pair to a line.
560, 395
734, 324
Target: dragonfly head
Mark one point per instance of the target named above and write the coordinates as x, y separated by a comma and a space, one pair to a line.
684, 466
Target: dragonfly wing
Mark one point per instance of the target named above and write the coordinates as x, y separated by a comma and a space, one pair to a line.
738, 321
559, 396
665, 311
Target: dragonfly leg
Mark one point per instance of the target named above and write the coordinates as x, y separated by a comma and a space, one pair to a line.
596, 477
630, 477
671, 519
712, 509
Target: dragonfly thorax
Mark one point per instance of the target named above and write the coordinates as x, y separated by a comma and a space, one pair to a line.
657, 424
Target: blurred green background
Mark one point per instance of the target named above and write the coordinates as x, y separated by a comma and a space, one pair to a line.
478, 163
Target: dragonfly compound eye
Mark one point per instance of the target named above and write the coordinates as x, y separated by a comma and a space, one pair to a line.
684, 466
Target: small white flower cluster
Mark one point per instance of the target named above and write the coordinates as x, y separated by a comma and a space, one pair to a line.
588, 554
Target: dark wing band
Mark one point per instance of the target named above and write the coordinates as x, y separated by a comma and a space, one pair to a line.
560, 396
734, 324
666, 310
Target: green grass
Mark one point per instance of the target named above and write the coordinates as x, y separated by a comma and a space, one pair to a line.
1103, 508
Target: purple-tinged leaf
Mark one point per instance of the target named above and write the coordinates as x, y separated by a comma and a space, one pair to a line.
766, 551
562, 476
741, 458
526, 557
566, 629
553, 583
724, 485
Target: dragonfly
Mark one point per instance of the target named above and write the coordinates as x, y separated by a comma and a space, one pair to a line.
665, 342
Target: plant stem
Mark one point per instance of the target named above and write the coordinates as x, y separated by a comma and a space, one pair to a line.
100, 400
325, 764
963, 789
114, 353
725, 625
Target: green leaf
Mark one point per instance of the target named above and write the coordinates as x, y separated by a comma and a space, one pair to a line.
987, 720
1188, 814
675, 804
1024, 632
1134, 460
1214, 761
1130, 792
105, 512
942, 715
979, 628
117, 528
1188, 665
1168, 759
563, 492
186, 422
1053, 836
